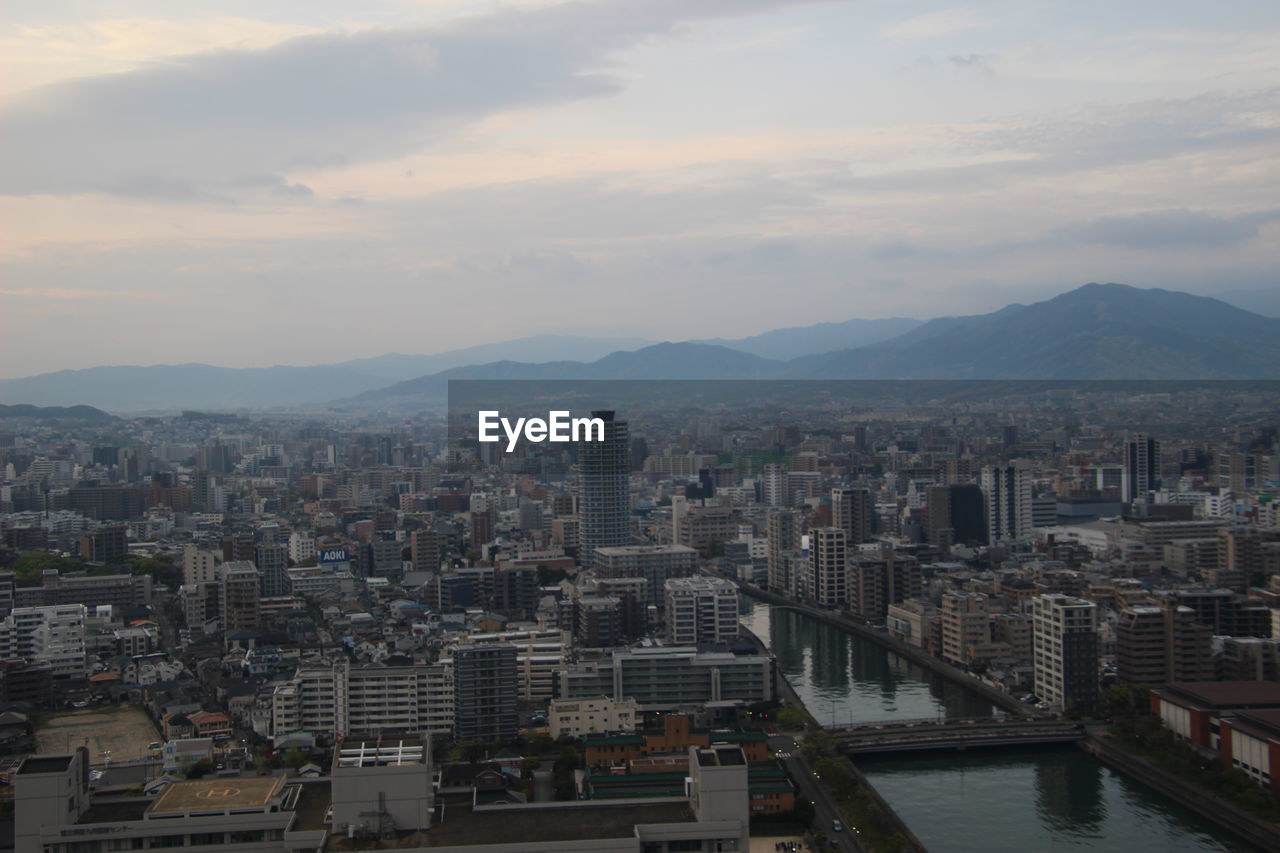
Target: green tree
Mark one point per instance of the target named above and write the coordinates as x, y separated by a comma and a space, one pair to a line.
200, 769
31, 565
790, 716
474, 750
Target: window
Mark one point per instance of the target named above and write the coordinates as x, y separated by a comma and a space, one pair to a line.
206, 838
168, 841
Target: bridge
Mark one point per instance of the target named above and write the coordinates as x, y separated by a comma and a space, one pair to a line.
968, 733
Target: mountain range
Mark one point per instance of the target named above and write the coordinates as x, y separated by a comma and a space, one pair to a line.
1098, 331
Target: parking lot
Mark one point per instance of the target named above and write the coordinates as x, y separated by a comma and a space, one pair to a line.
120, 734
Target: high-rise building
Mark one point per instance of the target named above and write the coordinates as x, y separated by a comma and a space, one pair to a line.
774, 485
701, 610
272, 560
1156, 646
966, 626
783, 533
1065, 651
830, 560
1141, 468
603, 490
197, 565
486, 690
852, 510
878, 579
241, 584
1007, 493
955, 515
106, 545
425, 550
654, 563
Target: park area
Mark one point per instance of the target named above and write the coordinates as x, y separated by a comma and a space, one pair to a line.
116, 733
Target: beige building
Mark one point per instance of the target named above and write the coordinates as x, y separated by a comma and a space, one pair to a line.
578, 717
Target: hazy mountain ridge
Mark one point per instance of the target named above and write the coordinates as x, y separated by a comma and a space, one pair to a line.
797, 341
55, 413
1098, 331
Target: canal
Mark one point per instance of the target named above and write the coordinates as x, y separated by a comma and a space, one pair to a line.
1016, 799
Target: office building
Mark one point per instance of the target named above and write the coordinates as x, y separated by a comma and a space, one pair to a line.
486, 691
1158, 645
829, 553
669, 677
655, 563
1006, 491
701, 610
783, 534
1141, 468
878, 579
853, 511
604, 500
1065, 649
106, 545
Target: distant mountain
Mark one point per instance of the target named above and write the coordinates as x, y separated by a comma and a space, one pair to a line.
660, 361
167, 387
1099, 331
796, 341
55, 413
394, 367
204, 386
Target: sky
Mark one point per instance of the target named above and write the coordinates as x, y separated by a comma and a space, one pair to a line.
248, 184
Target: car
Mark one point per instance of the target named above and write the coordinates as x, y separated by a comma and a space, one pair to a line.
837, 826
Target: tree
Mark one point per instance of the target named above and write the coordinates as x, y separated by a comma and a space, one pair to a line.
30, 566
790, 716
474, 750
200, 769
294, 758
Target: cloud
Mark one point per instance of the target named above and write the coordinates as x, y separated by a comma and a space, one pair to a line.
191, 127
1177, 228
935, 24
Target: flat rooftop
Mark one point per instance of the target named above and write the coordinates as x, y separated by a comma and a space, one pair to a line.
381, 752
215, 794
532, 824
45, 764
1229, 694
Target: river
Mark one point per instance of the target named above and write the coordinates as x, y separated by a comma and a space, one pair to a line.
1022, 799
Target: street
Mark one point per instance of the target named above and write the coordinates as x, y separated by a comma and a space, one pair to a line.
811, 789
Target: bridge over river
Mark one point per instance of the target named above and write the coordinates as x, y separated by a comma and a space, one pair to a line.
912, 735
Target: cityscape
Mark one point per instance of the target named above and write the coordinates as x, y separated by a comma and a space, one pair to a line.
631, 426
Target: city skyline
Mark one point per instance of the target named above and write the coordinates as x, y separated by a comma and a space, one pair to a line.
243, 187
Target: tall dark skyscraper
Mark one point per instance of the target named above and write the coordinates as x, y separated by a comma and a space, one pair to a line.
1141, 467
603, 500
852, 510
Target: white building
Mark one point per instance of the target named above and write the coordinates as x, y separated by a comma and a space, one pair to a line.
302, 547
343, 699
50, 635
701, 610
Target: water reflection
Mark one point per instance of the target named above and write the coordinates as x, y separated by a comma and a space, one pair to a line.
1069, 793
843, 679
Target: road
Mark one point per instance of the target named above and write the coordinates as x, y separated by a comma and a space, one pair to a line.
811, 789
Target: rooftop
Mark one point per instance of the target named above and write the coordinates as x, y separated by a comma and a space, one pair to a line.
45, 764
1229, 694
382, 752
543, 823
217, 794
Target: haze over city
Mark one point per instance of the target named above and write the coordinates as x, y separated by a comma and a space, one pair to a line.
312, 182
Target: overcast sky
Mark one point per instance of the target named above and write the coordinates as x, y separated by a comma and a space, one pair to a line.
305, 181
